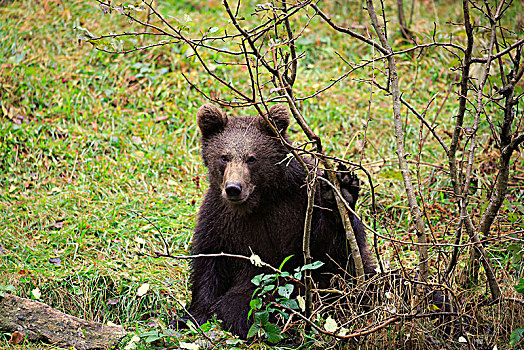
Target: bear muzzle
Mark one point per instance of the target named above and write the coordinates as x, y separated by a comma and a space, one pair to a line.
236, 193
236, 186
233, 191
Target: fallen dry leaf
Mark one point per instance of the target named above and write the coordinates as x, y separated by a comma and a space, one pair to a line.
16, 338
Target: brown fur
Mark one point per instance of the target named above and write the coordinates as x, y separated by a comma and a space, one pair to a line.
256, 202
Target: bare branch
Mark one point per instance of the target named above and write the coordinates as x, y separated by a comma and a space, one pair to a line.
499, 54
399, 135
311, 183
351, 33
225, 255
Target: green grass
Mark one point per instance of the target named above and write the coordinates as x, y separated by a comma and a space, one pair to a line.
99, 155
99, 150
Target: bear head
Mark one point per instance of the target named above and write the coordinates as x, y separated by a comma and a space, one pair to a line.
244, 155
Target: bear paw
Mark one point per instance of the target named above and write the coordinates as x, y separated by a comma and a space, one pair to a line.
349, 184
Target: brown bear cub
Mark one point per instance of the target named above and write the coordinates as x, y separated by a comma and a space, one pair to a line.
256, 203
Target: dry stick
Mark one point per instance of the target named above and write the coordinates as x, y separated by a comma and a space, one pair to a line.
195, 322
311, 174
348, 336
346, 204
199, 42
368, 113
418, 162
508, 145
364, 143
259, 263
499, 54
501, 238
350, 234
404, 30
349, 31
464, 200
459, 121
178, 35
290, 79
454, 254
367, 330
513, 300
371, 61
419, 182
385, 22
423, 120
466, 65
401, 152
458, 190
420, 116
311, 182
411, 13
348, 208
247, 37
310, 179
166, 246
250, 71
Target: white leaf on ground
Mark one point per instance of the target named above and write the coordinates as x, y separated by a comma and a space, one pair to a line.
190, 346
343, 331
330, 325
142, 289
36, 293
131, 345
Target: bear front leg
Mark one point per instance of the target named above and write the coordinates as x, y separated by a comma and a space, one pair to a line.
349, 187
204, 289
233, 307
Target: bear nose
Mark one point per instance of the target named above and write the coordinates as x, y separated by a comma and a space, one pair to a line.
233, 189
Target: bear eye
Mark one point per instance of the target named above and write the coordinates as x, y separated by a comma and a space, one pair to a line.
223, 158
251, 160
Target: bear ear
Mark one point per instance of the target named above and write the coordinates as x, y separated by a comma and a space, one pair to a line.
279, 114
210, 119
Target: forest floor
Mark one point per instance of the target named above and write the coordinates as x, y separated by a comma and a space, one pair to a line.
100, 164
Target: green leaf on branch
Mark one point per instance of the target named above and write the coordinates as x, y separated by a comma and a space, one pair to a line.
267, 288
283, 262
273, 333
260, 279
285, 291
255, 327
256, 304
516, 336
262, 317
520, 287
313, 266
292, 304
85, 33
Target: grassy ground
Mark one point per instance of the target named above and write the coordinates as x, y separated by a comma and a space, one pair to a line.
99, 157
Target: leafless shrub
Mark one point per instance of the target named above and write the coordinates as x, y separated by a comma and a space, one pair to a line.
418, 305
